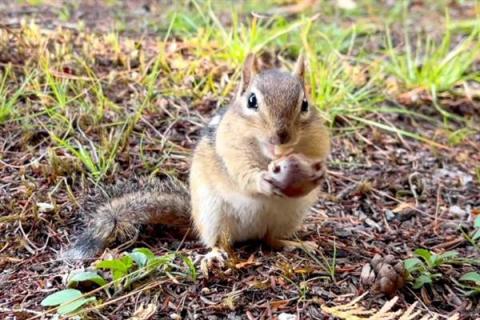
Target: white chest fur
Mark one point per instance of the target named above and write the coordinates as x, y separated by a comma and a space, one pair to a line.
241, 217
251, 217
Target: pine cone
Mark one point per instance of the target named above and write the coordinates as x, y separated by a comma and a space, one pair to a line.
383, 274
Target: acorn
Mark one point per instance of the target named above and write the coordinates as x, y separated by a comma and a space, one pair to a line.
295, 174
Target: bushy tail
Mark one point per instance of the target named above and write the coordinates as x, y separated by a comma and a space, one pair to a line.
120, 210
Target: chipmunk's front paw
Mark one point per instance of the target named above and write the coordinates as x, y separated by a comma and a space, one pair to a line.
266, 185
308, 246
216, 256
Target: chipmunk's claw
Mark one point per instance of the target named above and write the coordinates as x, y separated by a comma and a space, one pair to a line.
267, 186
308, 246
216, 256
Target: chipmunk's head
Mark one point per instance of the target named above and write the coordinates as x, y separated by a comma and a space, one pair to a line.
274, 105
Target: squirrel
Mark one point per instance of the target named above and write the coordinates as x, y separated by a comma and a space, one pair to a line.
236, 188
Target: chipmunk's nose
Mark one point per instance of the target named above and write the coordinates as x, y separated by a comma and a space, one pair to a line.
280, 137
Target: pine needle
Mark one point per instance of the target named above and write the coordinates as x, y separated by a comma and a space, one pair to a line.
354, 311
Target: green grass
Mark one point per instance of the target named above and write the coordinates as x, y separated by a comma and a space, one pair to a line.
9, 95
434, 66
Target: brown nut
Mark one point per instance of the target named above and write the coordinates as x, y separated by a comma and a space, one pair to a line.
295, 174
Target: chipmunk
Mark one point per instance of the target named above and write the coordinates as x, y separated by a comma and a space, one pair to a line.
243, 173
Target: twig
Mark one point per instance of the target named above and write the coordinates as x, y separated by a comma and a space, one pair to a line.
449, 244
13, 217
20, 310
437, 209
413, 187
34, 161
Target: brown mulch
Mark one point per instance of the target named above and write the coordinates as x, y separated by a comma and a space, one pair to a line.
359, 217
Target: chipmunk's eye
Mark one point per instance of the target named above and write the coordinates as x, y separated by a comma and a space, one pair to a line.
304, 105
252, 101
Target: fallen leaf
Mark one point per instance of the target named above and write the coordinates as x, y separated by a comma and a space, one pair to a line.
476, 211
251, 261
402, 206
144, 313
356, 74
279, 304
413, 97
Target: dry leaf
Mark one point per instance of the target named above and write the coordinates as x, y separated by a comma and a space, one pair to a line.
392, 86
402, 206
356, 74
414, 97
354, 311
476, 212
144, 313
279, 304
251, 261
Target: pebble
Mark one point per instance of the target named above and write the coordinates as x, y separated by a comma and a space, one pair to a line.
287, 316
389, 215
457, 211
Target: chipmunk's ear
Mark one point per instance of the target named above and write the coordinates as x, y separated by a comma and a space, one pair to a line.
250, 69
299, 69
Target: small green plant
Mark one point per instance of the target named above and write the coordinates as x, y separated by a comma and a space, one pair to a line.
67, 300
123, 272
474, 236
423, 268
471, 282
458, 136
134, 266
58, 88
77, 277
